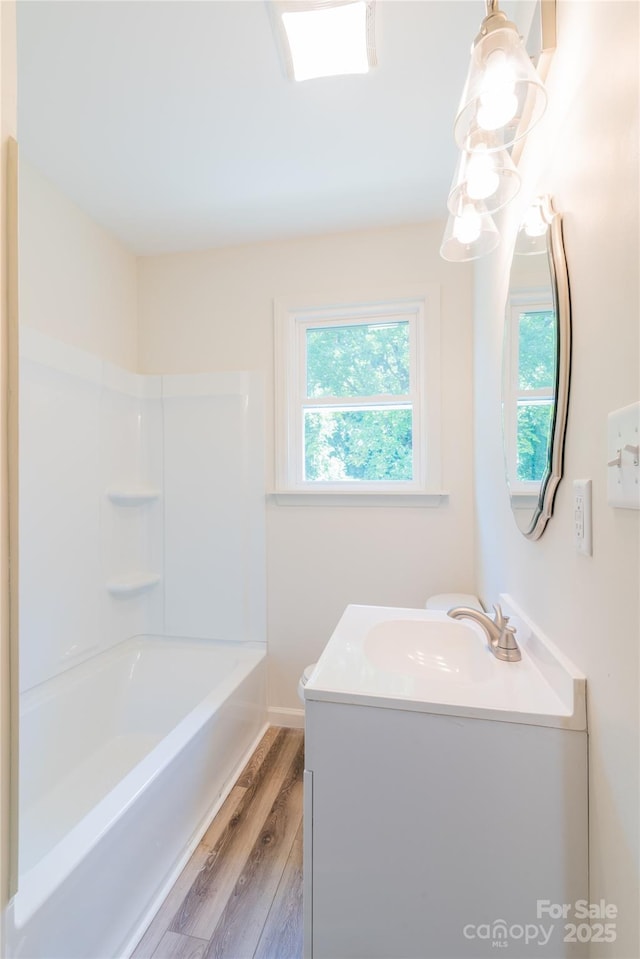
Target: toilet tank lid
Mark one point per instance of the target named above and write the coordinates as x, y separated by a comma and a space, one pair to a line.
445, 601
306, 673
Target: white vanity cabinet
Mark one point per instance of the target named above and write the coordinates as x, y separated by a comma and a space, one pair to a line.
431, 835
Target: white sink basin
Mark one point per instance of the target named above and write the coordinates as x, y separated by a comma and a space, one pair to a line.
425, 661
447, 651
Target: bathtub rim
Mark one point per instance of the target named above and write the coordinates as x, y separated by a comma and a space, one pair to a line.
41, 692
36, 884
148, 917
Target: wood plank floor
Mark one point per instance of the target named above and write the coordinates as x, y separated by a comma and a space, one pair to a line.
240, 894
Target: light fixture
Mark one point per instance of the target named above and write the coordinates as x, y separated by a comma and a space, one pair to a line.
470, 233
324, 38
503, 94
503, 99
484, 173
532, 235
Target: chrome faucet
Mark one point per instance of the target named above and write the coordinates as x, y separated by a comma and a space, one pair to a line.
501, 636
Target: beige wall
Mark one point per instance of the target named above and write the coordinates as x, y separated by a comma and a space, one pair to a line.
214, 311
586, 156
82, 284
8, 129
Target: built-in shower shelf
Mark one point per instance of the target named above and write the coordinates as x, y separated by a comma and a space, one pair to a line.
134, 496
132, 583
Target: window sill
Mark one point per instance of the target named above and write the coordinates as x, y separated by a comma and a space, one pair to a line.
355, 498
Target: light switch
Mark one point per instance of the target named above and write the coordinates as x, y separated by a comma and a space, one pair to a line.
623, 457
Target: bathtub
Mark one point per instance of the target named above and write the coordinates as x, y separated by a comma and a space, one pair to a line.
126, 758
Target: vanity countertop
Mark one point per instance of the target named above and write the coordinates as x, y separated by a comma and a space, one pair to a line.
422, 660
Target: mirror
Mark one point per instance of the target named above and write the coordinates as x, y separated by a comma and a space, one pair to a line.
536, 367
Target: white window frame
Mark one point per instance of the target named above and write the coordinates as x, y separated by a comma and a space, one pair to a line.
522, 301
292, 320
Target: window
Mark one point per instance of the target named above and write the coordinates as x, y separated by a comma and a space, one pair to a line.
357, 390
531, 377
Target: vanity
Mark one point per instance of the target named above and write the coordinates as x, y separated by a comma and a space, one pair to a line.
445, 792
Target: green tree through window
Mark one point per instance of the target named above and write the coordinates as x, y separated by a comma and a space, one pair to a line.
350, 439
537, 332
358, 360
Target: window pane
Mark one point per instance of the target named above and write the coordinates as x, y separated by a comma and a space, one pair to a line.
534, 437
358, 444
537, 350
366, 359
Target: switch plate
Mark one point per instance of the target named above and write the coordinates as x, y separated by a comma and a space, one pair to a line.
623, 457
582, 515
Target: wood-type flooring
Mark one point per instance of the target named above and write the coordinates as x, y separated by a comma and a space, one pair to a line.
240, 894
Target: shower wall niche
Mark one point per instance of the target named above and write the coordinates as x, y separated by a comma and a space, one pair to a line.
141, 506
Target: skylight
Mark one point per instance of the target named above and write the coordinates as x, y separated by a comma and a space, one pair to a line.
326, 40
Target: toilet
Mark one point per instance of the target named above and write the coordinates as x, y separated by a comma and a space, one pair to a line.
304, 679
441, 601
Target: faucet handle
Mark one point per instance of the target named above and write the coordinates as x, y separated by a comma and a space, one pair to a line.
500, 619
506, 642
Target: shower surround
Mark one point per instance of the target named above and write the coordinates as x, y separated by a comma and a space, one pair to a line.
142, 634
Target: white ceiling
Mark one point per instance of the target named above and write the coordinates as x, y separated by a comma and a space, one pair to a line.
173, 125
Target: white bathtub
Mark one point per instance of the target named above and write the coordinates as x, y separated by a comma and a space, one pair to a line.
127, 757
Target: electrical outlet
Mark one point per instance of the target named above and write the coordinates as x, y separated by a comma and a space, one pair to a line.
582, 516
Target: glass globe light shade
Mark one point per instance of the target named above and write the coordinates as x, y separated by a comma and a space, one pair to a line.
532, 235
470, 233
485, 173
503, 93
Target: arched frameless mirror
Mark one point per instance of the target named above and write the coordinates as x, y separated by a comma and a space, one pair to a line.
536, 368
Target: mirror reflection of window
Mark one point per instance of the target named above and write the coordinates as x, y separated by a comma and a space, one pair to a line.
532, 381
536, 332
536, 369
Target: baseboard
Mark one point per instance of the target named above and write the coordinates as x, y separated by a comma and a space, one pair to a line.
283, 716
